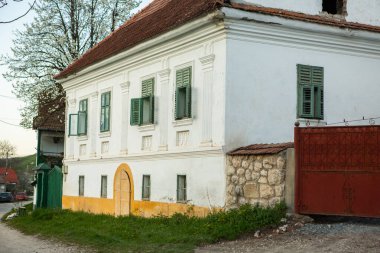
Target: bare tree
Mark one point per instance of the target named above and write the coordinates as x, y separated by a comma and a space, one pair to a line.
60, 33
6, 151
3, 3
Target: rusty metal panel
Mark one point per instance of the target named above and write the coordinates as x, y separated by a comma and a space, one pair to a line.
338, 170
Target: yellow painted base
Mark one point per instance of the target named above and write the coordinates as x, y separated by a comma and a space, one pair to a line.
140, 208
91, 205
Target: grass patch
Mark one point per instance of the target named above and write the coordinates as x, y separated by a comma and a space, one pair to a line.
29, 209
178, 233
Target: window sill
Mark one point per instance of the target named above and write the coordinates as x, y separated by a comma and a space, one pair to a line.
145, 128
104, 134
183, 122
82, 137
311, 122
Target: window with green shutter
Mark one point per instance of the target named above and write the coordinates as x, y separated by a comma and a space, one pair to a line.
310, 92
183, 93
82, 117
78, 121
105, 112
142, 109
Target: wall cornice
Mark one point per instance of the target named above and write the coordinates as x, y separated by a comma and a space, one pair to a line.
152, 156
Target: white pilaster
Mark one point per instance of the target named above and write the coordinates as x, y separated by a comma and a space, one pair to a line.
93, 122
208, 68
124, 117
71, 110
164, 77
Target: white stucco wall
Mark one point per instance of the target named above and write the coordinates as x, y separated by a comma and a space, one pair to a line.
203, 174
364, 11
306, 6
261, 105
47, 142
360, 11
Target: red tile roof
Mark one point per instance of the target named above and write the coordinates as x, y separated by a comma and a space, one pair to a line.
164, 15
8, 175
158, 17
262, 149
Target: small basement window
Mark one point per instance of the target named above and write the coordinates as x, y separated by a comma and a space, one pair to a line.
333, 6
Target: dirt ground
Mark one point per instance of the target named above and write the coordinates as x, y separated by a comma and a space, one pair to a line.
324, 235
12, 241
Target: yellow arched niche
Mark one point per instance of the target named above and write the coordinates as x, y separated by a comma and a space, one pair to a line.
117, 195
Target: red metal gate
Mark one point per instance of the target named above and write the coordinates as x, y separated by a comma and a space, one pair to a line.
338, 170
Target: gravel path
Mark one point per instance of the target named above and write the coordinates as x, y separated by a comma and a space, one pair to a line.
12, 241
354, 235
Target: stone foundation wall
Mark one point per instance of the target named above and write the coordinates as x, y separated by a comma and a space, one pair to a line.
255, 179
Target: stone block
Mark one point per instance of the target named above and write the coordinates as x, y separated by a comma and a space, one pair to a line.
242, 180
279, 190
231, 189
266, 191
242, 201
248, 175
255, 176
251, 190
280, 163
238, 190
240, 172
245, 164
273, 201
258, 166
234, 179
275, 177
230, 171
264, 173
236, 162
263, 180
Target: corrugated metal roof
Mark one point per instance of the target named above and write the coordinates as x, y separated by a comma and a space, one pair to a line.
262, 149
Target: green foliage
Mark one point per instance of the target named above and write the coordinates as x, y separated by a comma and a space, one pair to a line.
20, 163
179, 233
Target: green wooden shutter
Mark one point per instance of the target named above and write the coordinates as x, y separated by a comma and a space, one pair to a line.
320, 103
82, 123
136, 110
188, 101
73, 124
304, 74
317, 76
177, 116
179, 78
186, 76
151, 110
307, 101
310, 91
147, 87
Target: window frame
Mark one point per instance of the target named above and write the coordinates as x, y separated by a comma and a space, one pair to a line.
143, 197
310, 79
81, 189
180, 85
104, 107
103, 194
137, 104
184, 189
85, 112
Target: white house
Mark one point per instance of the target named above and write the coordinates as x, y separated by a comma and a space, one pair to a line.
153, 109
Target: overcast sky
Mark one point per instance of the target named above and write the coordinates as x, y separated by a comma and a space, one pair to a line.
23, 139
